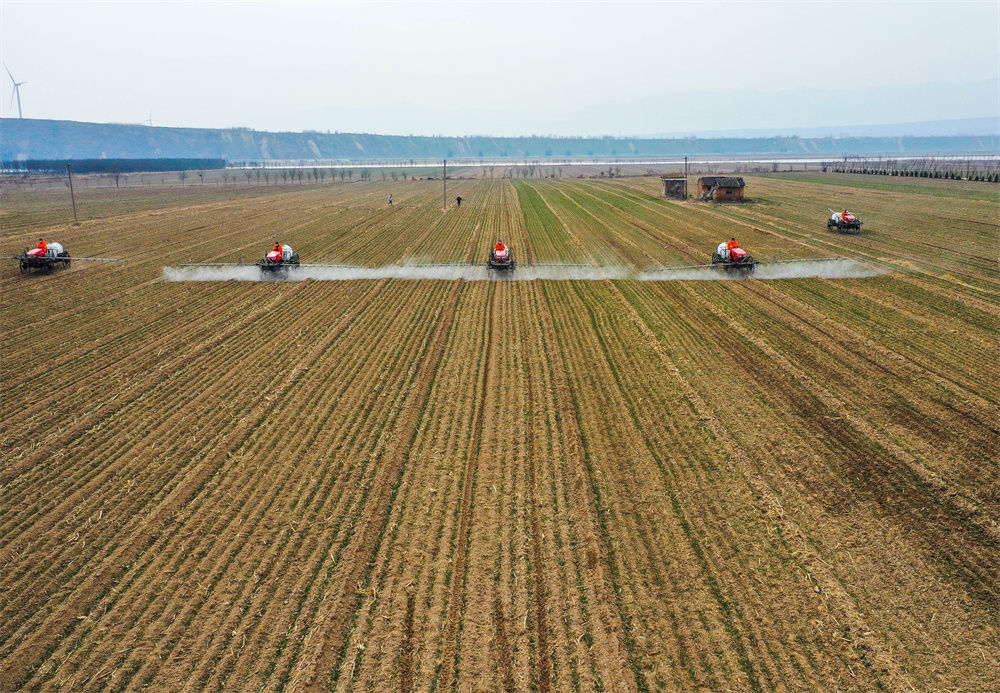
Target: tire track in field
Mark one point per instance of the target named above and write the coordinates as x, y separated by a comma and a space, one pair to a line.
332, 630
501, 644
618, 658
418, 552
891, 634
962, 361
761, 670
407, 647
798, 543
566, 596
223, 672
624, 250
730, 617
27, 653
456, 601
522, 225
544, 663
351, 437
723, 604
893, 486
125, 356
610, 561
166, 487
892, 483
948, 417
99, 485
136, 391
580, 246
489, 211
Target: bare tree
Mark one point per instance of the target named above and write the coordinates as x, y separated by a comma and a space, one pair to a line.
249, 174
284, 175
322, 175
225, 178
183, 176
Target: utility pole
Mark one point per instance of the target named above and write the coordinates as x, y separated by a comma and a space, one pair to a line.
444, 179
69, 172
685, 177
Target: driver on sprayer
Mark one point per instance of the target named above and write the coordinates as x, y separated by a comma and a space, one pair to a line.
499, 246
44, 246
277, 249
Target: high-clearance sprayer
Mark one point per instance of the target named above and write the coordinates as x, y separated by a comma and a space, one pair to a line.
730, 258
46, 257
501, 257
844, 221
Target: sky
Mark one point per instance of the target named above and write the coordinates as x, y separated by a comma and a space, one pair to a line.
512, 68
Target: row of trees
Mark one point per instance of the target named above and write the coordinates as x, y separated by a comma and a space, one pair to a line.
267, 176
977, 169
908, 171
253, 176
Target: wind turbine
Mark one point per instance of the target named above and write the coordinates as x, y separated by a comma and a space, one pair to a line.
16, 92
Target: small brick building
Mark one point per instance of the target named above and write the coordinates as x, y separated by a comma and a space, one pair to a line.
675, 187
721, 188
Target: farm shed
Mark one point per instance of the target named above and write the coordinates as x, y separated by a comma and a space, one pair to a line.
676, 187
723, 188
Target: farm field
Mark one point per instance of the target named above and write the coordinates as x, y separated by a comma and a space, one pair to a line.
431, 485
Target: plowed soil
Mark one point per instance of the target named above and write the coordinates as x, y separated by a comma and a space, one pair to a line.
432, 485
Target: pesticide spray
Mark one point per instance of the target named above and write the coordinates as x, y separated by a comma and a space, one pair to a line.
839, 268
332, 273
836, 268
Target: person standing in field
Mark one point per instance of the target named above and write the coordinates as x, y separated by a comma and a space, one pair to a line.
458, 200
390, 199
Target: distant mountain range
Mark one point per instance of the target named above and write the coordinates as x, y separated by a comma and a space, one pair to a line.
62, 139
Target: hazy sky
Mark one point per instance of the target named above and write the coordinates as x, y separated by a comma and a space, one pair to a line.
501, 68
